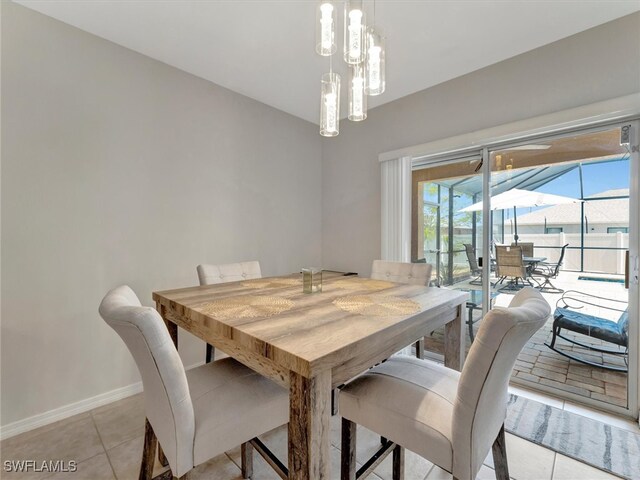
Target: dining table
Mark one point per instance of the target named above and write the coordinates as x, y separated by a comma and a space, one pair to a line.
311, 343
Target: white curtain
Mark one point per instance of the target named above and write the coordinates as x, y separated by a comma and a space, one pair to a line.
396, 209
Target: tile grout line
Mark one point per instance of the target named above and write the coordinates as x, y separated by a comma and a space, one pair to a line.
429, 471
553, 467
232, 461
106, 453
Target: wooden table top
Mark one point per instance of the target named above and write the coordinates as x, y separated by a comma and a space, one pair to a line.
313, 334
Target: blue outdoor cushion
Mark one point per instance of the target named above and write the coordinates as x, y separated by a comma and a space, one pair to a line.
596, 327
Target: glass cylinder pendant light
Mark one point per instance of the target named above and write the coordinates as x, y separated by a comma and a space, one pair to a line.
325, 28
330, 105
357, 97
375, 77
354, 32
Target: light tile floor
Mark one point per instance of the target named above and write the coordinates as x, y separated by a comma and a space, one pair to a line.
107, 444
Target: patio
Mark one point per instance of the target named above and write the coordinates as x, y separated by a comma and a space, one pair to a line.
538, 365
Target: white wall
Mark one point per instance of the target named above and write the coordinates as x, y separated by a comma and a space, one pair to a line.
594, 65
120, 169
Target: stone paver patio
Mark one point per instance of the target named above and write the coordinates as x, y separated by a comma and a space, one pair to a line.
539, 365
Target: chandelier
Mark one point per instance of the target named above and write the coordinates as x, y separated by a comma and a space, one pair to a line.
364, 53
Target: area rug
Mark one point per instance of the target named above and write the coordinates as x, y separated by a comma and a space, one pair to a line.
602, 446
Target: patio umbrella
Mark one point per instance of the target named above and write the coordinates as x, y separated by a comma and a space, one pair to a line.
516, 198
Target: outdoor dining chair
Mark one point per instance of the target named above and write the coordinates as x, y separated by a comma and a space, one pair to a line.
229, 272
450, 418
548, 271
510, 264
527, 248
192, 414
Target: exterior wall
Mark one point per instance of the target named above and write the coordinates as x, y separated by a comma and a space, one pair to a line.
567, 228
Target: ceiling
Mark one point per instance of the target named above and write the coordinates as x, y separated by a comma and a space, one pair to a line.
265, 49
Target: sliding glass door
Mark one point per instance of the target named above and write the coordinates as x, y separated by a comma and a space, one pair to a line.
561, 218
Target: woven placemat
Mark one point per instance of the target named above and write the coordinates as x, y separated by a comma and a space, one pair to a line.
377, 305
272, 283
355, 283
247, 306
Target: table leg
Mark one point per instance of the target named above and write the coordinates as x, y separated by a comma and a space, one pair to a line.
454, 342
309, 427
470, 322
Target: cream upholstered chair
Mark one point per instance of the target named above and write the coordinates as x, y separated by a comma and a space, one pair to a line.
400, 272
450, 418
230, 272
195, 415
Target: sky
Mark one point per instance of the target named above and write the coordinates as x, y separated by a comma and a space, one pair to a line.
596, 178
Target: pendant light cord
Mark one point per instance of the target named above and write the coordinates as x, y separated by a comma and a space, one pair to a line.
374, 13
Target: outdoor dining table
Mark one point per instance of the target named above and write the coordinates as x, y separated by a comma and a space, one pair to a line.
533, 260
312, 343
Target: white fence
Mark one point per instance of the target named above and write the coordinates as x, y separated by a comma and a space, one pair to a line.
600, 261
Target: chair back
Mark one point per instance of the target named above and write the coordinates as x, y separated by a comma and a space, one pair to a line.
400, 272
230, 272
527, 248
481, 400
471, 258
166, 392
509, 262
556, 268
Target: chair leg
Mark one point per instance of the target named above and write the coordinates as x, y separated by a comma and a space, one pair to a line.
420, 348
398, 463
246, 453
555, 332
348, 452
148, 452
162, 458
211, 352
499, 450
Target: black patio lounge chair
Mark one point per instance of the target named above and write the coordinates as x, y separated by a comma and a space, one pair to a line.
616, 332
548, 271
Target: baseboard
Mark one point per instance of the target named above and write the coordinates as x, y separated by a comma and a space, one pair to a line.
71, 409
68, 410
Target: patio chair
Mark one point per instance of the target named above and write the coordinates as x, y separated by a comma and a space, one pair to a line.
527, 248
509, 264
473, 264
567, 317
549, 271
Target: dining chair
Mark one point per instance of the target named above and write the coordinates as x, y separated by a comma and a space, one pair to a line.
527, 248
401, 272
510, 263
198, 414
229, 272
450, 418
